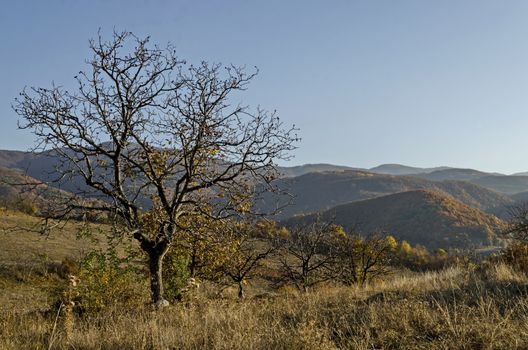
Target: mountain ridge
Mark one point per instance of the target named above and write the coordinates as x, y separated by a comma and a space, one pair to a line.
400, 169
321, 186
314, 192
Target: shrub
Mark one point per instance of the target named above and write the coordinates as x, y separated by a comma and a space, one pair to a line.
515, 255
176, 275
109, 281
418, 258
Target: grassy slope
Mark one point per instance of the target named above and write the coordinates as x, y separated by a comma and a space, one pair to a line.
21, 192
21, 245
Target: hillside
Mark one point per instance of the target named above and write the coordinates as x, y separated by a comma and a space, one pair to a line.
508, 184
384, 169
43, 167
21, 192
15, 159
429, 218
40, 164
321, 191
520, 197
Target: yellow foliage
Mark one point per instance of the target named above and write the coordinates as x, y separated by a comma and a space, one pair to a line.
391, 242
270, 228
441, 253
337, 230
207, 245
405, 247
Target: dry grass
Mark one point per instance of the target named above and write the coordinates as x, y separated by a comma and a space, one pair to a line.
453, 309
458, 308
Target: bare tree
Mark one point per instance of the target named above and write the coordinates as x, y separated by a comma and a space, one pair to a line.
517, 224
156, 140
308, 254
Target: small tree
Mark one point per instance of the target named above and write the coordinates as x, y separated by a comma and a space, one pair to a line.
251, 247
308, 253
375, 254
155, 140
359, 260
516, 234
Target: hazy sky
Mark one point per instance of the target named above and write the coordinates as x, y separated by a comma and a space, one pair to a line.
419, 82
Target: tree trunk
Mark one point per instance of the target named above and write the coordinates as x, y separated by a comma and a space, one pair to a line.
241, 293
192, 265
156, 277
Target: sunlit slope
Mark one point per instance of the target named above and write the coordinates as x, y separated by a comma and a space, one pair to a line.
430, 218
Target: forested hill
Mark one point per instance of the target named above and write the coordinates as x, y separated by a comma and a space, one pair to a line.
425, 217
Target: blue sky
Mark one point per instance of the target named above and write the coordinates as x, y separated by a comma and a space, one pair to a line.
420, 82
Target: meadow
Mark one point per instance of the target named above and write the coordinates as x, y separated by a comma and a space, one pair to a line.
463, 306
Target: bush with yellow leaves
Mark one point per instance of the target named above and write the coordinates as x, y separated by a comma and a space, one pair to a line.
108, 281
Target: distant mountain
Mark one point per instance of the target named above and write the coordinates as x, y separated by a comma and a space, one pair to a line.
334, 185
502, 183
16, 159
429, 218
508, 184
41, 166
476, 196
398, 169
504, 212
316, 192
311, 168
524, 173
453, 174
386, 169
